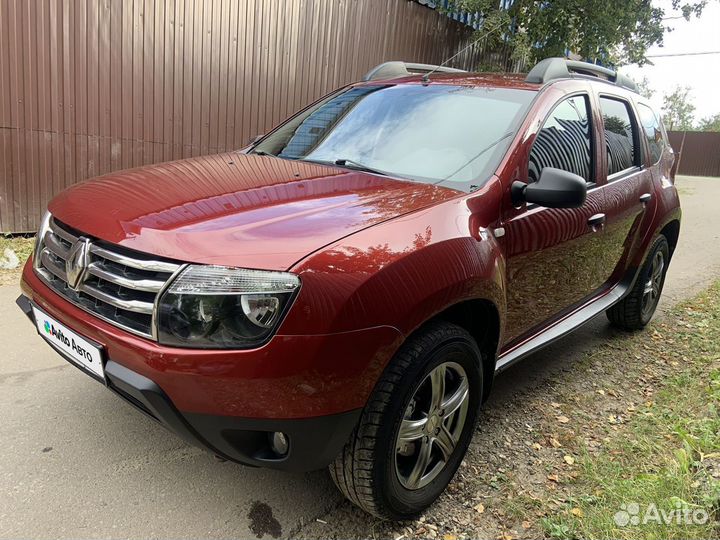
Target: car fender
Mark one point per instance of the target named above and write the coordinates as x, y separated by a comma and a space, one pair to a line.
400, 273
667, 210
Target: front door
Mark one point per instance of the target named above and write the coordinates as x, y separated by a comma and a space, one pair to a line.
552, 253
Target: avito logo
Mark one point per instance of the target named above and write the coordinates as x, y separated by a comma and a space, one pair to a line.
58, 334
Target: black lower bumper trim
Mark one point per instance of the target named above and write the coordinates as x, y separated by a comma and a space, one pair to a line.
23, 302
313, 442
147, 396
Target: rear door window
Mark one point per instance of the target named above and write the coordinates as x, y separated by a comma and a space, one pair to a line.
564, 141
620, 136
653, 133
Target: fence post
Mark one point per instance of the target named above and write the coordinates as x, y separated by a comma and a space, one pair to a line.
682, 145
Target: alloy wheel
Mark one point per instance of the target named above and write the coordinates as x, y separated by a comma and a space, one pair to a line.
653, 286
432, 425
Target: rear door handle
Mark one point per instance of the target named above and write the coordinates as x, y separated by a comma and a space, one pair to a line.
596, 221
645, 197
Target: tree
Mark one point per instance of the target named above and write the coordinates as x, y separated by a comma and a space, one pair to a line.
678, 109
615, 124
710, 123
613, 31
644, 88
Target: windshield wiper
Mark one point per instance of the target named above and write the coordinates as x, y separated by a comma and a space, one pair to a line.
264, 153
360, 167
488, 147
354, 165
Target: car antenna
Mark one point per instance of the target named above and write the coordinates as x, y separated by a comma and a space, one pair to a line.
426, 78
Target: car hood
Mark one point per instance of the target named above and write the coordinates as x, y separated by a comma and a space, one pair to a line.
235, 209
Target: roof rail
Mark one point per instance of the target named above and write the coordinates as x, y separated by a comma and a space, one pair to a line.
395, 69
561, 68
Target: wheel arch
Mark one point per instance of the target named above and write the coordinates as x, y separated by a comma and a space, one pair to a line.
671, 231
479, 317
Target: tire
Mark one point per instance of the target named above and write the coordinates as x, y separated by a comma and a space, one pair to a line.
637, 308
376, 470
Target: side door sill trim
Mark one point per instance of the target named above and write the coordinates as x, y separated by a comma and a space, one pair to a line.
566, 325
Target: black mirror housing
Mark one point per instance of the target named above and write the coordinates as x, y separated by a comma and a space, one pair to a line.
555, 189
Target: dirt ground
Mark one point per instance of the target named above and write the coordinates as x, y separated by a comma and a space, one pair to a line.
527, 473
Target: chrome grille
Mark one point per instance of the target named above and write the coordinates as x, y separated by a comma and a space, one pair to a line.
117, 285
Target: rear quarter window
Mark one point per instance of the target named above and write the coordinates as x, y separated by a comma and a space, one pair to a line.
653, 132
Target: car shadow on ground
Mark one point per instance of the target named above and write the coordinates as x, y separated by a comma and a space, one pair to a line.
550, 362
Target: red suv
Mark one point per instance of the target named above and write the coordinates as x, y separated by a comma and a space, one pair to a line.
344, 291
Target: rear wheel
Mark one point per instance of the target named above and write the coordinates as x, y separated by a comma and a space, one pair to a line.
416, 426
635, 310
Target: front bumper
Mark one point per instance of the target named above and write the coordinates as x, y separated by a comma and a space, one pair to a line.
291, 376
313, 442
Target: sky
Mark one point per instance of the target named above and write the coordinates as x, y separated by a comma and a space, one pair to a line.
700, 73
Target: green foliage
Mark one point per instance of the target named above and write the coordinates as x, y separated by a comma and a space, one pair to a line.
710, 123
615, 124
679, 112
615, 31
644, 89
558, 527
678, 109
651, 469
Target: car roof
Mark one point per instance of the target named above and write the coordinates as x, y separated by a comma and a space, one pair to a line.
490, 80
547, 72
500, 80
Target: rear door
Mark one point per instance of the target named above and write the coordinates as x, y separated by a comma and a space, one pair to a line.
628, 186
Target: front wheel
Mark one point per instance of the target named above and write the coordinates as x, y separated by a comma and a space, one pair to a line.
416, 426
635, 310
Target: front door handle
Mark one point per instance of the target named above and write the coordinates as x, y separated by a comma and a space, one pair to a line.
645, 198
596, 221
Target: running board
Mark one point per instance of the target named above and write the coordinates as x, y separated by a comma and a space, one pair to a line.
564, 326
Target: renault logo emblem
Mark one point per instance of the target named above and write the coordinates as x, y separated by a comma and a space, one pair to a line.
77, 262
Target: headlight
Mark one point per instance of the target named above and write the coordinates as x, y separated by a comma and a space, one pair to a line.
223, 308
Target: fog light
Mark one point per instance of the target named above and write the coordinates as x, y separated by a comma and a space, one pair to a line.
279, 443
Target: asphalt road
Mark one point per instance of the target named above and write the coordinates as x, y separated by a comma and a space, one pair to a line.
76, 461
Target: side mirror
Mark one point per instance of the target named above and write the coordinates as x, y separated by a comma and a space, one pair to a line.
555, 189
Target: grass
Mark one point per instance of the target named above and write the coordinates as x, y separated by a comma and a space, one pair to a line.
22, 247
632, 420
666, 457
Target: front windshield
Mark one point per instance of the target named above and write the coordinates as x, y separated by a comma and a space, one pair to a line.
450, 135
